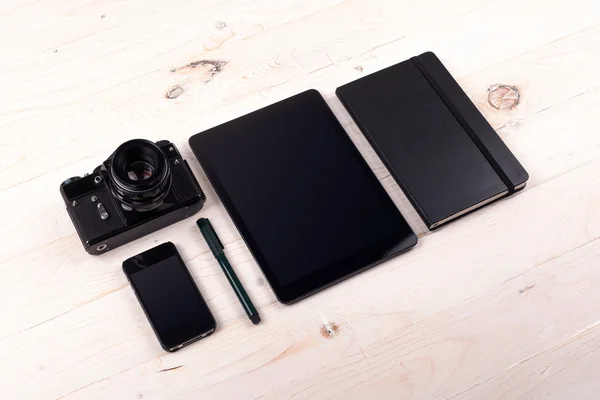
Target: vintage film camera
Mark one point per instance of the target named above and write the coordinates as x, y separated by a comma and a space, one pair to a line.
141, 188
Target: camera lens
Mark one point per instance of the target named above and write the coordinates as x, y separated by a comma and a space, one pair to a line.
140, 176
139, 171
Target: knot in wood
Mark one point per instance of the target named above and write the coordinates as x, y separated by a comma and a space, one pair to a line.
503, 97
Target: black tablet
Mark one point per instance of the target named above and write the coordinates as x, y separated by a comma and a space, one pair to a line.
305, 201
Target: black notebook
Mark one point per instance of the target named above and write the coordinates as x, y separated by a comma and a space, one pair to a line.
441, 151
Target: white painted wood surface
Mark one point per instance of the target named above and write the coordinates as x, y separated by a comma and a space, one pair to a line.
503, 304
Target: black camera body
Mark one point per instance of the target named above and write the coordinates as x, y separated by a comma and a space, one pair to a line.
141, 188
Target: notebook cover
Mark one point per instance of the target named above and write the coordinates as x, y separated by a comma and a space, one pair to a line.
439, 148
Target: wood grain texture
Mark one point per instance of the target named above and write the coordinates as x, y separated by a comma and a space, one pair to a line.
502, 304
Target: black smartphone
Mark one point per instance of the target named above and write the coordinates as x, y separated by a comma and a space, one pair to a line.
170, 298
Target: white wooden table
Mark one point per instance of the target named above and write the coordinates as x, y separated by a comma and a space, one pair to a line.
502, 304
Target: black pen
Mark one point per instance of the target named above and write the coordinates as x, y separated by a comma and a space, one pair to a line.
215, 245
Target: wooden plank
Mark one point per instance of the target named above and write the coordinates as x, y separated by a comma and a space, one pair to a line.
582, 142
500, 304
94, 102
574, 144
426, 303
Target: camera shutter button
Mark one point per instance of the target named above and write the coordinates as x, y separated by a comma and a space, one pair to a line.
102, 211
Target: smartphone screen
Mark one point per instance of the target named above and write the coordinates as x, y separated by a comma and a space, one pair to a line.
170, 298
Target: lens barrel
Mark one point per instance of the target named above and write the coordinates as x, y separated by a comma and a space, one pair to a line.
139, 175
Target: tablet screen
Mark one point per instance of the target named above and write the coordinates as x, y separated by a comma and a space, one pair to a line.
308, 206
